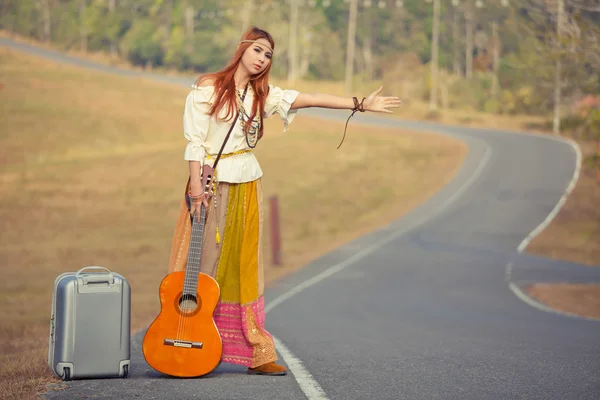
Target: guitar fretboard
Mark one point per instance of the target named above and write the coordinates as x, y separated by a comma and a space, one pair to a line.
190, 284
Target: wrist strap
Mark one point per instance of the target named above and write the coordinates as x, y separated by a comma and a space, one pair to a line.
357, 107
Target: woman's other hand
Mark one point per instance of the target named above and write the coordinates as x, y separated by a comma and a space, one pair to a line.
376, 103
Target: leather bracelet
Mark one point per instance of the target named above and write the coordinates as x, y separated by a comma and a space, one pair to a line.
198, 198
358, 106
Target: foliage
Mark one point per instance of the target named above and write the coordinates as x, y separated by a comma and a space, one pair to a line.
200, 35
141, 44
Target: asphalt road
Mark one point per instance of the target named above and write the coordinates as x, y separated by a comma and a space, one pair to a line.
428, 307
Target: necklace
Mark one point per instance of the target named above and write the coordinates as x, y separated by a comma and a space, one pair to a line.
250, 129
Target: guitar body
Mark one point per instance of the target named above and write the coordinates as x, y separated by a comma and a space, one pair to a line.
183, 340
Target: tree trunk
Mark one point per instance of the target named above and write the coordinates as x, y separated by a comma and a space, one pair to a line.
351, 45
367, 48
435, 45
189, 21
165, 24
293, 42
456, 42
7, 23
46, 22
495, 59
470, 27
82, 28
246, 14
557, 70
189, 26
112, 7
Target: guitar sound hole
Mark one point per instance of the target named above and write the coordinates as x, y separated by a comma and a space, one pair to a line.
187, 303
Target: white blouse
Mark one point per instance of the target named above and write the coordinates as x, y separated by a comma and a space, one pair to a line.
205, 134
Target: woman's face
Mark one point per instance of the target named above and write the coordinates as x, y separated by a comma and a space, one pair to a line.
257, 57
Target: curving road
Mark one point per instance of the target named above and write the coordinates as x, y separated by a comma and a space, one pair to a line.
429, 307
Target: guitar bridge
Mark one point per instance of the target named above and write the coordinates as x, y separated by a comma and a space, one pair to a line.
182, 343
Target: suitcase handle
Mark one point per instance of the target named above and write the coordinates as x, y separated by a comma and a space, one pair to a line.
106, 277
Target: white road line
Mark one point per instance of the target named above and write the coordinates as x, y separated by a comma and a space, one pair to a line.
542, 307
305, 380
562, 200
527, 299
523, 245
307, 383
508, 272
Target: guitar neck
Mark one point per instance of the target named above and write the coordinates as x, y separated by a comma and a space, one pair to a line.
194, 253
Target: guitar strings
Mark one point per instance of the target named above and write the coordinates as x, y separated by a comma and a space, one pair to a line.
183, 301
180, 324
189, 286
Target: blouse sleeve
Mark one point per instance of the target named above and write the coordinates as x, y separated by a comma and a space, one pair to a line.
196, 122
279, 101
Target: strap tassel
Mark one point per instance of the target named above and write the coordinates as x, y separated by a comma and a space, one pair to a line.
217, 236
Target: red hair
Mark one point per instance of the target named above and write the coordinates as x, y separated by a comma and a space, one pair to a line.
225, 92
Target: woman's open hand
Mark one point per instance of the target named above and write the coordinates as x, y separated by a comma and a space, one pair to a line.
382, 104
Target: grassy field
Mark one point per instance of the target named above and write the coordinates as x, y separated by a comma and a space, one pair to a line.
93, 172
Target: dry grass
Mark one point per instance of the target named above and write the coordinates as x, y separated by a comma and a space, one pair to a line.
575, 232
92, 174
574, 235
578, 299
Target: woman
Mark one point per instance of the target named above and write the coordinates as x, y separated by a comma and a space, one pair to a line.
232, 244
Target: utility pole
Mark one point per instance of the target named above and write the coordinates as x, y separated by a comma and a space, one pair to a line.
557, 69
469, 25
351, 45
434, 55
293, 42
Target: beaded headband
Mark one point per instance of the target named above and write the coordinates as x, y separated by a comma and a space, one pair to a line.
259, 43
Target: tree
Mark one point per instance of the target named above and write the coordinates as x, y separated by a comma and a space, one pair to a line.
567, 36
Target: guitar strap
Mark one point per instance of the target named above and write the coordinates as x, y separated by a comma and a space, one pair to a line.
213, 170
229, 132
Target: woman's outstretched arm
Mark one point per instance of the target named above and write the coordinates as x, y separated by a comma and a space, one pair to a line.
373, 102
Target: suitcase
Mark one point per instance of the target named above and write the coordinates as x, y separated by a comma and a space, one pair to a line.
90, 325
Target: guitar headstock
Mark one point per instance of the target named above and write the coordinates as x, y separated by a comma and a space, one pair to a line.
208, 174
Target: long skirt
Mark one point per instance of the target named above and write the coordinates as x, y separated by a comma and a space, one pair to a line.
236, 262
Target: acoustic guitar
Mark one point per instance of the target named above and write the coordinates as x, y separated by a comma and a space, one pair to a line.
183, 341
